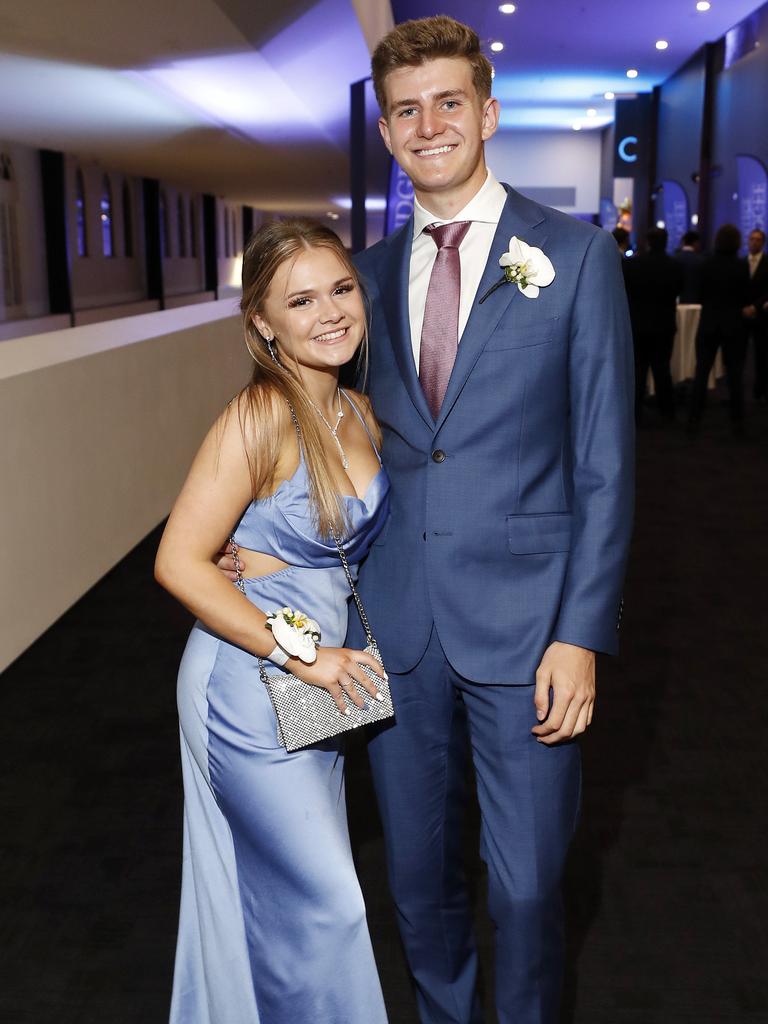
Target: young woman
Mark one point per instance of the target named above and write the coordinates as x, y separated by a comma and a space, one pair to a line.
272, 927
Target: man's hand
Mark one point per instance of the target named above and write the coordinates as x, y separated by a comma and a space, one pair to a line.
750, 312
570, 672
226, 563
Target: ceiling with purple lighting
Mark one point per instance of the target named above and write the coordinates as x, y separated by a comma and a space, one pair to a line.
561, 56
250, 99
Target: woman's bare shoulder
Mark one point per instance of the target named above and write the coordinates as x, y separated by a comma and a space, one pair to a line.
363, 403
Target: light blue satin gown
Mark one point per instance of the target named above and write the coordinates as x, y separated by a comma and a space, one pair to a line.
272, 926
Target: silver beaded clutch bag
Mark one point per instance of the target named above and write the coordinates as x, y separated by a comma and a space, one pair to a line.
307, 714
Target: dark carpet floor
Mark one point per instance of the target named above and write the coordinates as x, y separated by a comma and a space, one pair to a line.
667, 894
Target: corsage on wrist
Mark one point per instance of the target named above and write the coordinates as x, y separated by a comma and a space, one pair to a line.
295, 633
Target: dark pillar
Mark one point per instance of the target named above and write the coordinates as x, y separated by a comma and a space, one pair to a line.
55, 221
653, 147
209, 245
153, 255
713, 63
247, 224
357, 164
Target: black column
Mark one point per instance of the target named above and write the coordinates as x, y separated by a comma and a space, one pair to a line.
247, 224
357, 164
653, 148
713, 64
210, 245
55, 221
153, 254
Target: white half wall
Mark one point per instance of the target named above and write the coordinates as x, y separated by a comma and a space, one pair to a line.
531, 160
98, 426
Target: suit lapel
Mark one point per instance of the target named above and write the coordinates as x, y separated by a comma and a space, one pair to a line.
519, 217
394, 294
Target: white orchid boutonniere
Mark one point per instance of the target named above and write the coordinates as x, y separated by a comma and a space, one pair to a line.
296, 633
526, 266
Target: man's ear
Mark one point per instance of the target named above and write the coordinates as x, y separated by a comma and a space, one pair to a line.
384, 129
491, 111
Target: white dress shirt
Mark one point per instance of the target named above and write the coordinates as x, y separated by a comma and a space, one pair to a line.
484, 210
754, 262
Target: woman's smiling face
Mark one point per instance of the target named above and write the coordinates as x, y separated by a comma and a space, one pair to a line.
314, 310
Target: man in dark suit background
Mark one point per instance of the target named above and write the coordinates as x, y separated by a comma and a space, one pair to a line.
654, 280
756, 312
689, 257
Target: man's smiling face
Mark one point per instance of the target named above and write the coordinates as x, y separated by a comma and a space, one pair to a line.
436, 125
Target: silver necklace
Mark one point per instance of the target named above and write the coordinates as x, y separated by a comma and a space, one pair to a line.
333, 431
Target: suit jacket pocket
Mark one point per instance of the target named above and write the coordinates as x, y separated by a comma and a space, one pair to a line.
540, 533
540, 332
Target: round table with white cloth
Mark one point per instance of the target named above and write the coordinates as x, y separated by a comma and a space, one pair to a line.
682, 363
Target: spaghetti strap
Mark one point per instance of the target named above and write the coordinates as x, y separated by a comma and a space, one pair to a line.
362, 420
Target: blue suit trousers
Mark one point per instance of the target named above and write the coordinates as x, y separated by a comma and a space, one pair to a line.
529, 798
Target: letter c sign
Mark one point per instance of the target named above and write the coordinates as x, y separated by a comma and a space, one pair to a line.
623, 147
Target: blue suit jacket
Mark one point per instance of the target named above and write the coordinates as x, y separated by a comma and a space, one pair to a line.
519, 536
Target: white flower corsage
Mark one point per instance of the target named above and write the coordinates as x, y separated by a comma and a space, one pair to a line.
295, 632
526, 266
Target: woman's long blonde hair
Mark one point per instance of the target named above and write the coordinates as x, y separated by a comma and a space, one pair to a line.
260, 419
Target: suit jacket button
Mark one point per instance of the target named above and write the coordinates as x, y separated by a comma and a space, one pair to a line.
438, 455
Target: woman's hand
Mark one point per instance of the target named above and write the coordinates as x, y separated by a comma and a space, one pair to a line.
336, 670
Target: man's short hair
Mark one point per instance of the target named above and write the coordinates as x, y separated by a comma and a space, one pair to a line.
415, 42
691, 238
657, 239
758, 231
728, 240
622, 237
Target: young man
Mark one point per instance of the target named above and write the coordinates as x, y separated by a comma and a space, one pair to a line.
508, 438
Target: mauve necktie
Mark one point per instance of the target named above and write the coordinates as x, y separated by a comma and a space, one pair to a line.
440, 332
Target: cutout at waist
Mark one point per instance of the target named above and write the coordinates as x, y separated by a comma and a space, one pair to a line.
256, 563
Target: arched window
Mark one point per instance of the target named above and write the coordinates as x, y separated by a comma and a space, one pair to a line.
82, 232
234, 234
127, 220
107, 237
192, 229
165, 234
10, 281
227, 244
181, 225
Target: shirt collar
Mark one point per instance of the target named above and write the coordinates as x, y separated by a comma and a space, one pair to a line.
484, 206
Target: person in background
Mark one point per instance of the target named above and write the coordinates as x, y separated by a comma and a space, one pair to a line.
725, 293
689, 257
653, 280
623, 239
757, 310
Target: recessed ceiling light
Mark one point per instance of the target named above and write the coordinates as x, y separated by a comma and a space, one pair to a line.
497, 47
660, 224
661, 44
609, 95
591, 112
703, 5
507, 8
576, 126
694, 219
632, 73
332, 215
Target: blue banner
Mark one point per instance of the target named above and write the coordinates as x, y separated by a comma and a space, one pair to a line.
753, 192
676, 216
399, 199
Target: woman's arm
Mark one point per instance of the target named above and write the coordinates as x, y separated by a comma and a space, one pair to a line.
214, 495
